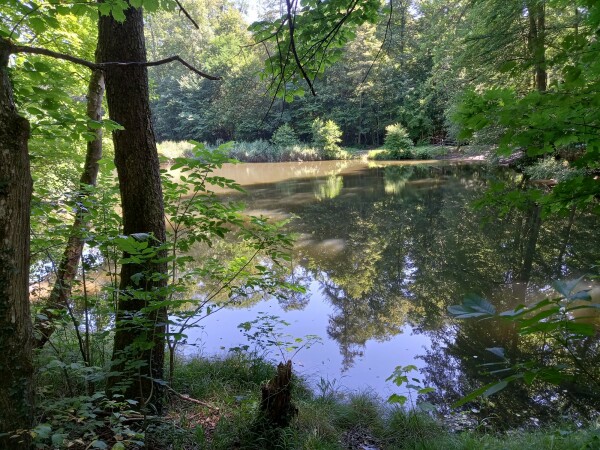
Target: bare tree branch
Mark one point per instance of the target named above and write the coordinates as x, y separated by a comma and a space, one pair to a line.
293, 47
387, 29
190, 399
182, 9
95, 66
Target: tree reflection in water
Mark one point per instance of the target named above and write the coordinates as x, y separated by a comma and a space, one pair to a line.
397, 244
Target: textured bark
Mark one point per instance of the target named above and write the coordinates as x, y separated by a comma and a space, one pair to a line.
67, 269
137, 163
537, 42
16, 370
276, 403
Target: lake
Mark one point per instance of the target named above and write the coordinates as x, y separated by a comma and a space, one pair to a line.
384, 249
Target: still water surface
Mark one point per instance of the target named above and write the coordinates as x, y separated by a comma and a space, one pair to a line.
384, 250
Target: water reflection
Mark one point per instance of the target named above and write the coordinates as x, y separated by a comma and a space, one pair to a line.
386, 249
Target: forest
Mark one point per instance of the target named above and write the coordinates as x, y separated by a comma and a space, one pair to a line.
299, 224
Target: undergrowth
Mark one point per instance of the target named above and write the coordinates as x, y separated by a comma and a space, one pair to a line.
416, 153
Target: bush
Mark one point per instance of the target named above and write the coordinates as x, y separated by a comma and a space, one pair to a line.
326, 137
397, 142
284, 136
549, 168
424, 152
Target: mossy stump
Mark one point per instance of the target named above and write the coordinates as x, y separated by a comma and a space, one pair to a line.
276, 404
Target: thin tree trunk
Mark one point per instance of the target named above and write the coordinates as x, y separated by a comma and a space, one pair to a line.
16, 369
67, 269
537, 42
566, 239
142, 341
535, 223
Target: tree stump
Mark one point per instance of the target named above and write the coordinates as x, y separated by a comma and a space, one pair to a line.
276, 403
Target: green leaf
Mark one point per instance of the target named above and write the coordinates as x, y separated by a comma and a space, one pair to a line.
37, 24
566, 287
104, 9
498, 351
507, 66
472, 306
397, 399
43, 430
118, 14
495, 388
426, 390
582, 329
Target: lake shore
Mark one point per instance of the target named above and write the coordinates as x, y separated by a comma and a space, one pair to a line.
218, 409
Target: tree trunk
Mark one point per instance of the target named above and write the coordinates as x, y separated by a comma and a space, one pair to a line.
533, 232
67, 269
537, 42
16, 370
141, 341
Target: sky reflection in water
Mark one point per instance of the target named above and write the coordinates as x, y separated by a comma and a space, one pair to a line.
385, 249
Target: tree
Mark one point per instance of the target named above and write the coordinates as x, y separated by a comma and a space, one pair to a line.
559, 119
16, 183
140, 334
16, 369
67, 269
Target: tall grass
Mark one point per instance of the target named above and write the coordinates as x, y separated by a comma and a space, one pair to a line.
264, 151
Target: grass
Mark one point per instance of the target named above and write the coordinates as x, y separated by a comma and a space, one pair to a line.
264, 151
327, 419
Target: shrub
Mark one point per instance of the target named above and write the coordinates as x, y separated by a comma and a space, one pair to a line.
257, 151
327, 136
549, 168
284, 136
397, 142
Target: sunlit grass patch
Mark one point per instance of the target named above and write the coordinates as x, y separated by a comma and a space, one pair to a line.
173, 149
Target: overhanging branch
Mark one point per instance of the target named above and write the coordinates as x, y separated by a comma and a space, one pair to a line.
182, 9
293, 47
101, 66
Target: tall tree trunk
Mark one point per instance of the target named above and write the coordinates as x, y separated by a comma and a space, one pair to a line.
16, 369
537, 42
67, 269
136, 158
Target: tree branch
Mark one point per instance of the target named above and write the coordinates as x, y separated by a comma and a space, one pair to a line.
182, 9
190, 399
95, 66
293, 47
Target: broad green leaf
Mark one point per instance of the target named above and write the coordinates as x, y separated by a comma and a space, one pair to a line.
397, 399
498, 351
495, 388
566, 287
